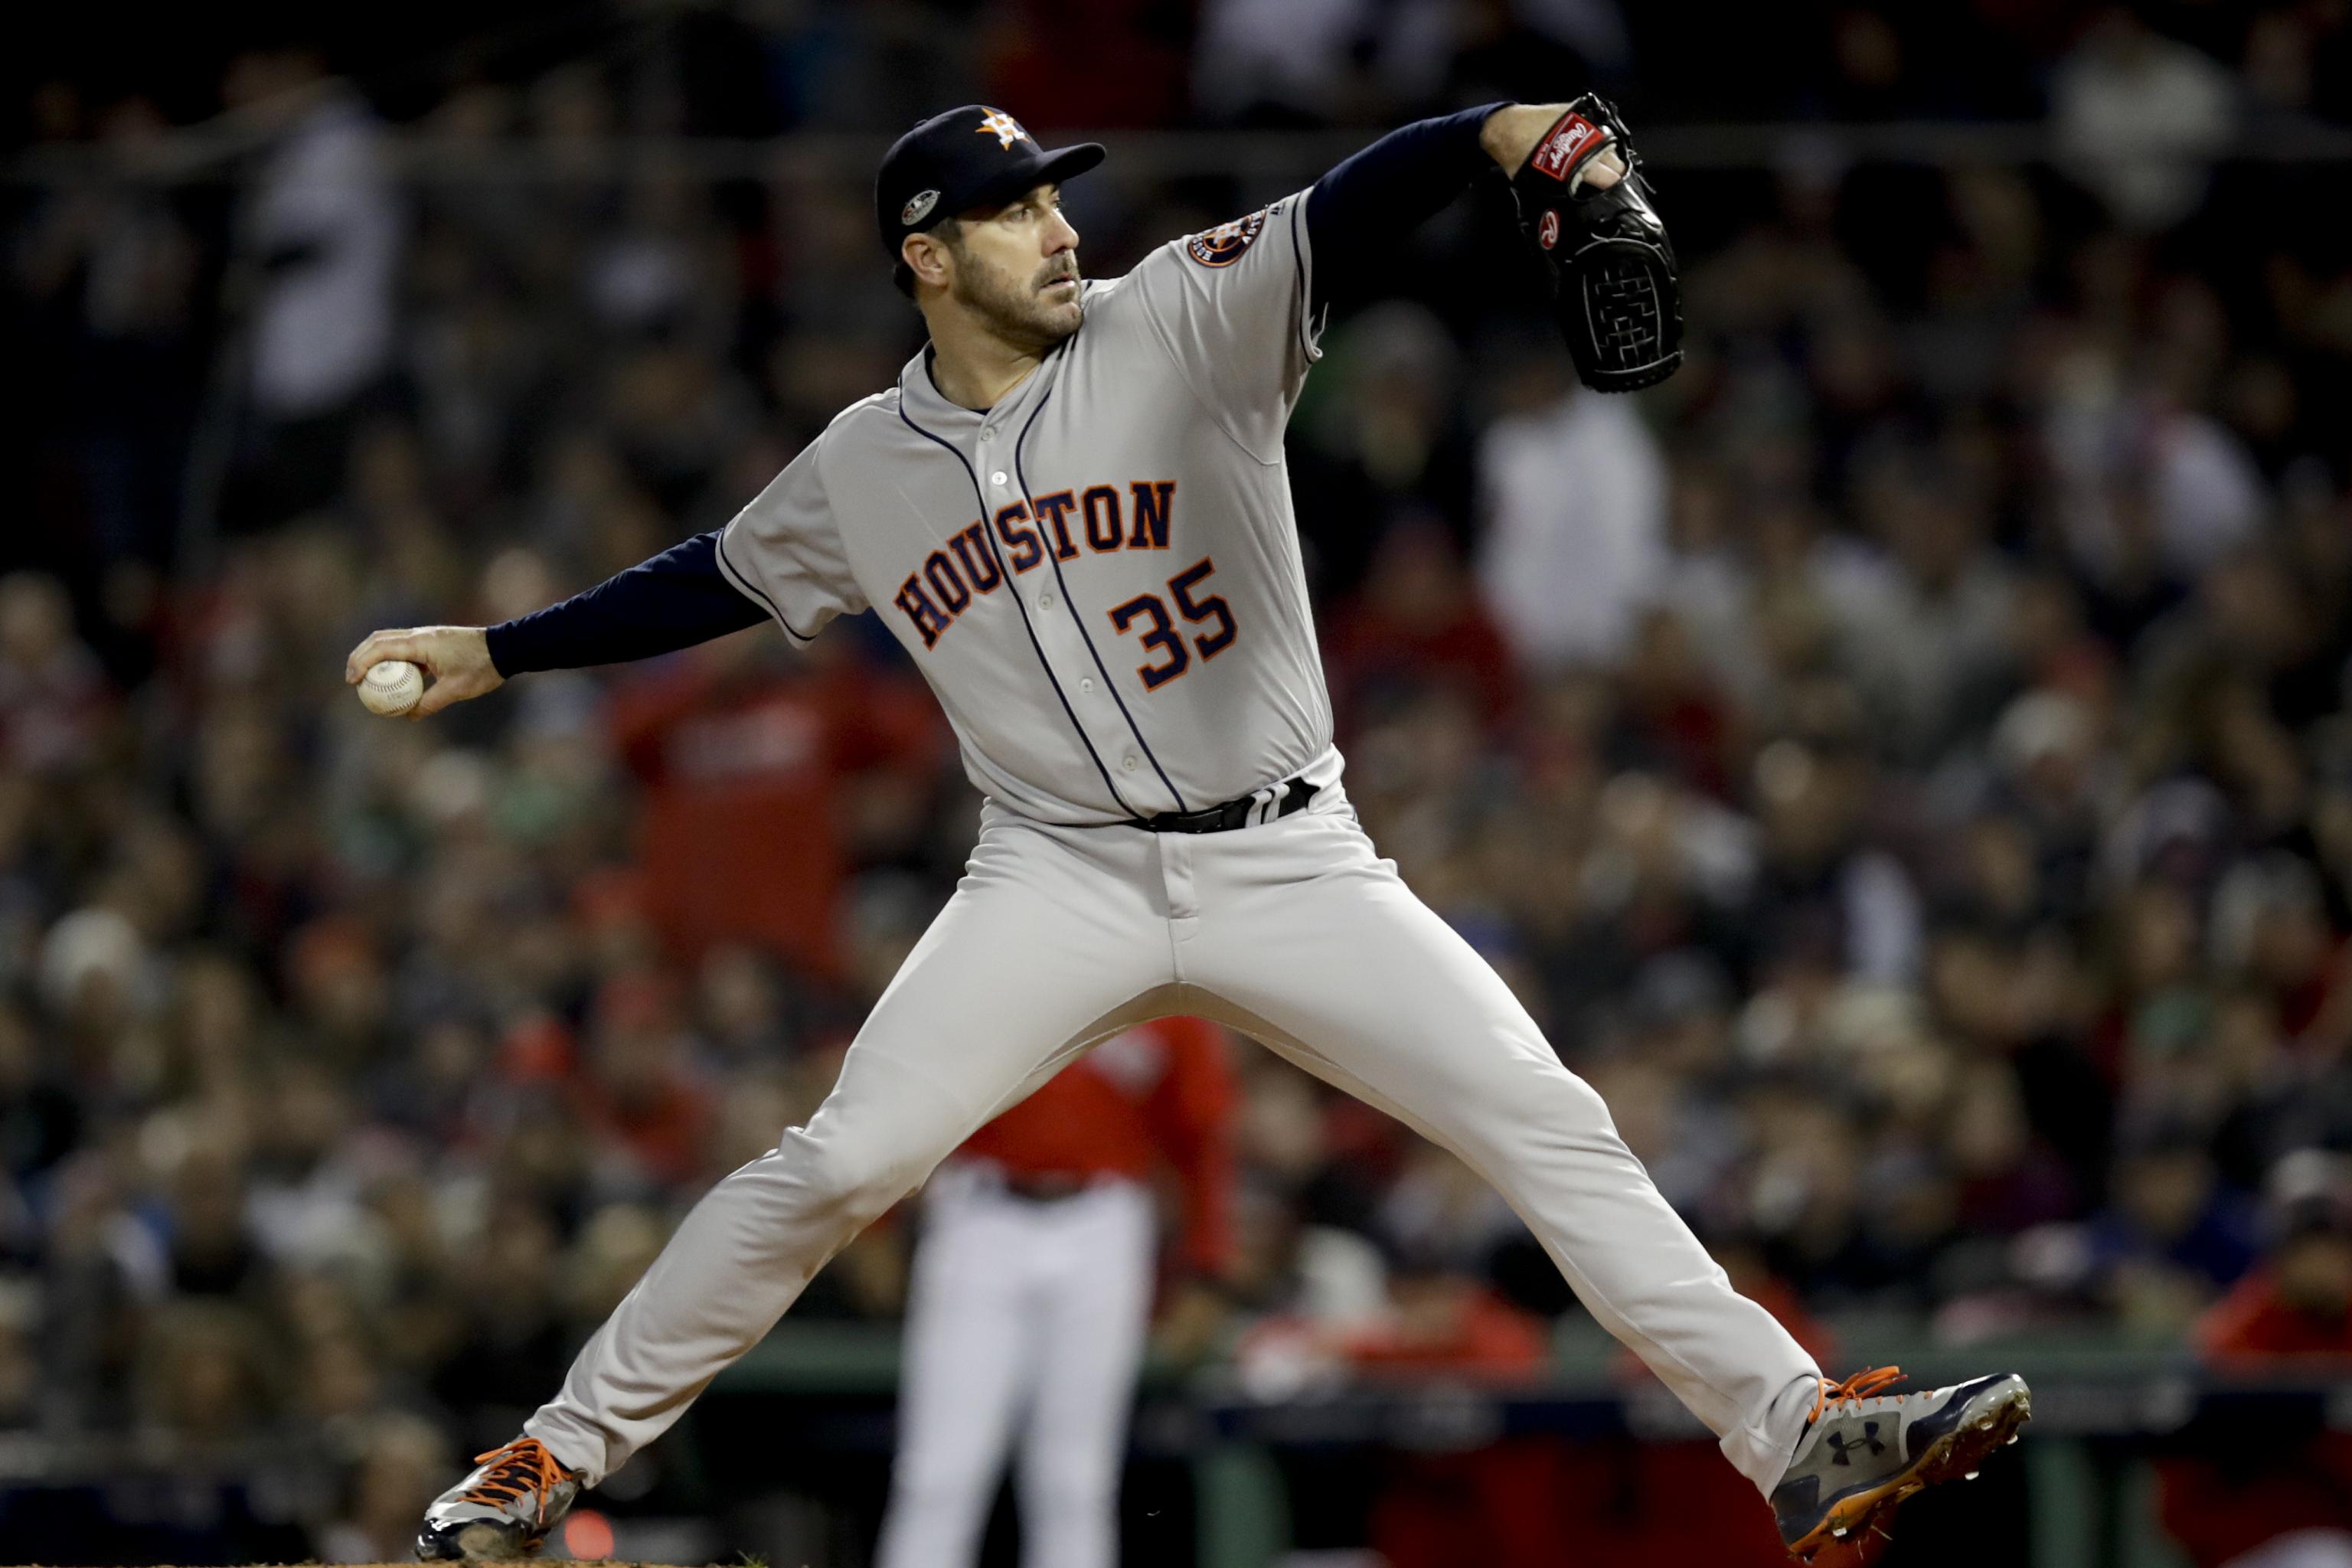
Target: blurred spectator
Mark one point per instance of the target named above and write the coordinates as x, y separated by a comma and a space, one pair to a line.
1277, 61
53, 695
1821, 891
2172, 1237
1930, 648
1418, 624
762, 782
1383, 444
398, 1471
119, 256
323, 231
1135, 51
2141, 117
2281, 1501
1573, 492
641, 1099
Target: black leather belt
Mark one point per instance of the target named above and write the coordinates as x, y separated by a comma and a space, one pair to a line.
1290, 795
1045, 1186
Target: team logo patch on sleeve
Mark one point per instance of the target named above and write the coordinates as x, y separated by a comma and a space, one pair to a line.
1223, 245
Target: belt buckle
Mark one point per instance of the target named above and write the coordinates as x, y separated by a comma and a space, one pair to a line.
1289, 795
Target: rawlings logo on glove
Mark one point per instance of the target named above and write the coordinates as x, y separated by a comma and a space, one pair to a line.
1615, 290
1564, 145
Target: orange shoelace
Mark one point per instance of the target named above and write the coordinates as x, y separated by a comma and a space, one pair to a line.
523, 1468
1853, 1390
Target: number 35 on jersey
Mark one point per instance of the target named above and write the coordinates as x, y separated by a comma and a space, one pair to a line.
1016, 542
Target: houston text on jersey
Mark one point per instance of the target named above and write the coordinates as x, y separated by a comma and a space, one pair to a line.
967, 567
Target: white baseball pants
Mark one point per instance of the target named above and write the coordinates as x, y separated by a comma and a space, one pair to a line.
2299, 1549
1294, 931
1025, 1325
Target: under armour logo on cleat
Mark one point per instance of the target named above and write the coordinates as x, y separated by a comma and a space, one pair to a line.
1006, 130
1841, 1446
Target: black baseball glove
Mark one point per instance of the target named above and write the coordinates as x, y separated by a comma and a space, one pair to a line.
1613, 286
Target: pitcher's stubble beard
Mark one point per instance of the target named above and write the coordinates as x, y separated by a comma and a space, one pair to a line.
1019, 310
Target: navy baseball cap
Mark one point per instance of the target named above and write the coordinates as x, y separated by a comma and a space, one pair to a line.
970, 157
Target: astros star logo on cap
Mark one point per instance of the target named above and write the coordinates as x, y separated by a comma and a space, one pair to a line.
1006, 128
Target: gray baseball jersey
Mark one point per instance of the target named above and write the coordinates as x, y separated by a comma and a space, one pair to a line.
1100, 576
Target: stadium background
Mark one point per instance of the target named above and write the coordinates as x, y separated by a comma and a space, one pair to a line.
1903, 760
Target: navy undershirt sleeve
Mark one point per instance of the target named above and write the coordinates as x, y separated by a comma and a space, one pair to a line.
1398, 182
675, 600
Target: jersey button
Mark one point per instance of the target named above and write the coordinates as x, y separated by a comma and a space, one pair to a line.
1126, 764
1087, 684
1044, 600
997, 477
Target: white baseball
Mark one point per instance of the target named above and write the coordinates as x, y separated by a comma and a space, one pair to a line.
391, 688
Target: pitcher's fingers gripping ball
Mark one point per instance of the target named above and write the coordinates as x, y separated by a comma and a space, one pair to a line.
390, 669
392, 689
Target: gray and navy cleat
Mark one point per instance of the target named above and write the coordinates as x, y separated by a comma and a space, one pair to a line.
503, 1511
1864, 1450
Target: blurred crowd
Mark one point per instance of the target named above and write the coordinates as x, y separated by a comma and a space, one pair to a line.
1903, 761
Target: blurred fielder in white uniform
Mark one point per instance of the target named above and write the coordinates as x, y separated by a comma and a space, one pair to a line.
1033, 1294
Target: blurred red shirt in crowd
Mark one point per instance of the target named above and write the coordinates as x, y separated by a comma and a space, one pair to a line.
1543, 1503
1139, 71
639, 1094
1418, 622
2292, 1317
744, 763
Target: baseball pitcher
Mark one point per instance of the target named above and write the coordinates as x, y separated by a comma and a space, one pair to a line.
1071, 509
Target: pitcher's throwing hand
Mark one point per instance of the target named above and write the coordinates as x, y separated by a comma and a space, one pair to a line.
457, 659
